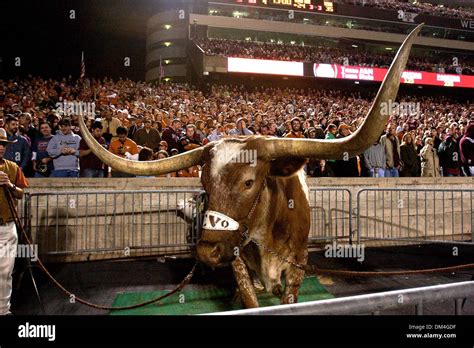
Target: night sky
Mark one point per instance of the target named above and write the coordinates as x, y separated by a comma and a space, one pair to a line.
49, 43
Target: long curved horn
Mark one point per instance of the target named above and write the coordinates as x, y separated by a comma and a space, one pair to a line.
361, 139
163, 166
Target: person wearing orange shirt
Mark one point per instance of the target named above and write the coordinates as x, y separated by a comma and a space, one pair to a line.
12, 182
123, 147
296, 130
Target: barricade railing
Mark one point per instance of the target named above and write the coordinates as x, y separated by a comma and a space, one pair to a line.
331, 214
166, 222
105, 221
419, 215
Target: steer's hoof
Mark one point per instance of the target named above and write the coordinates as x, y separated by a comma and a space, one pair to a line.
277, 290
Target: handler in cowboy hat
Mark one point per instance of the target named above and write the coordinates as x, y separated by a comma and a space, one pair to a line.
12, 182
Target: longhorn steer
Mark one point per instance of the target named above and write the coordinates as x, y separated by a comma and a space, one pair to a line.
270, 201
268, 197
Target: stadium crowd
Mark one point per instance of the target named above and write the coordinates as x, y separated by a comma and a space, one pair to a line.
426, 136
319, 54
421, 7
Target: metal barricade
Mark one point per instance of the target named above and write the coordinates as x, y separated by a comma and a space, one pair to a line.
106, 221
419, 215
331, 214
66, 223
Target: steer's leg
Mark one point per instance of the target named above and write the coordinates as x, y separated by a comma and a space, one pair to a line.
294, 277
244, 283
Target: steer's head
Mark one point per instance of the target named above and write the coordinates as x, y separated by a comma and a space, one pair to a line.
233, 177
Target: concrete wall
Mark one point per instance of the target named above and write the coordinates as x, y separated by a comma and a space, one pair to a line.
353, 184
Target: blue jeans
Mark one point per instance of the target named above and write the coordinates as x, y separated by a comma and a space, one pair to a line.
93, 173
65, 173
391, 173
380, 172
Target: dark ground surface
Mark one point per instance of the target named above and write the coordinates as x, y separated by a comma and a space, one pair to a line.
100, 281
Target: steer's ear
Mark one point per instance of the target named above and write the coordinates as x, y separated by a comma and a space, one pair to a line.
286, 166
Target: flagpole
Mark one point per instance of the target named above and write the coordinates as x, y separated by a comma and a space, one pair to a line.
83, 67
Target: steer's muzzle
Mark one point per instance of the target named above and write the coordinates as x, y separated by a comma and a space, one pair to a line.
214, 254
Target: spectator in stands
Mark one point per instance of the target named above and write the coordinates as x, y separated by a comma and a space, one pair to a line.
449, 156
347, 167
26, 120
429, 160
148, 136
125, 148
467, 150
409, 157
64, 149
190, 140
375, 159
19, 151
392, 151
200, 130
163, 146
145, 154
91, 166
240, 128
161, 155
42, 162
436, 139
172, 133
331, 134
296, 129
109, 125
136, 125
215, 133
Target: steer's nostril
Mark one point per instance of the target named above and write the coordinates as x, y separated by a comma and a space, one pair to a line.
217, 251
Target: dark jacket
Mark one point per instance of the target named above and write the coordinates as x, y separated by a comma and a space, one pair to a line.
19, 152
346, 168
448, 153
409, 157
466, 147
171, 137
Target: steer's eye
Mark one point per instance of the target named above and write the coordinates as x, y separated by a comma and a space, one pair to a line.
248, 184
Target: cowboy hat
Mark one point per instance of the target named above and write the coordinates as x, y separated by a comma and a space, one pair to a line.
4, 138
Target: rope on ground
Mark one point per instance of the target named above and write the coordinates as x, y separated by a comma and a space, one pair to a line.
68, 293
315, 269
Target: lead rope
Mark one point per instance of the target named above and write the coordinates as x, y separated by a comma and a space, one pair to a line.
314, 268
68, 293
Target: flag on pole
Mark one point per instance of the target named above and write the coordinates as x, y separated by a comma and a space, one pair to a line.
83, 66
162, 70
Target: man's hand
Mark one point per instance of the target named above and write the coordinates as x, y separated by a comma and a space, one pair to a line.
5, 180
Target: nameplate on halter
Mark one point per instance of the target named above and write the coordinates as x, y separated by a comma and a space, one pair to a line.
216, 221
